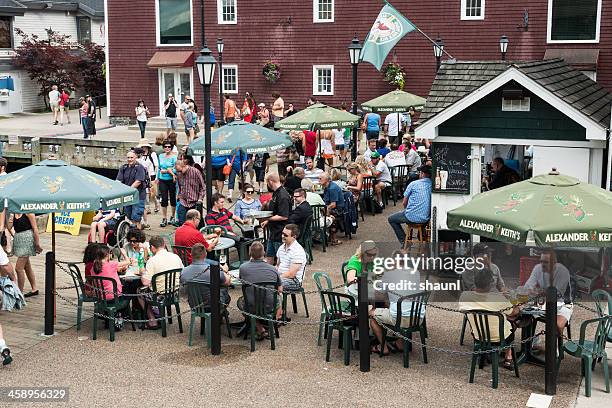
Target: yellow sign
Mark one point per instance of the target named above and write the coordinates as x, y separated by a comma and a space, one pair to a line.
67, 221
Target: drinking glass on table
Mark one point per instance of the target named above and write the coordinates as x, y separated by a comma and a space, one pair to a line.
218, 231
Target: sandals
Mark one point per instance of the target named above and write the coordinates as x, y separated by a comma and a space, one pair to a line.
335, 242
508, 364
6, 356
163, 223
376, 349
30, 294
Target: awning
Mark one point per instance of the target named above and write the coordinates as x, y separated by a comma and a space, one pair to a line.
583, 59
163, 59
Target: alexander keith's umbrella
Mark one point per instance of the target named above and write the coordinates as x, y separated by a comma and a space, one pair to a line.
319, 116
559, 210
394, 101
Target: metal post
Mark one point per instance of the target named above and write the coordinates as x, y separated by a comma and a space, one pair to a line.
438, 63
354, 111
207, 147
550, 368
215, 311
49, 292
364, 323
221, 101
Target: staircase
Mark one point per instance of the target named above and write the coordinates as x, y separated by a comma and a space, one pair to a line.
156, 124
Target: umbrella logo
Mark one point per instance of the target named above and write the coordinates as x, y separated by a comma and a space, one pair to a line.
9, 180
512, 203
387, 28
573, 205
222, 138
53, 186
256, 136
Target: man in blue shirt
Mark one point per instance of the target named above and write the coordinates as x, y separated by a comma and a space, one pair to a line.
334, 199
417, 203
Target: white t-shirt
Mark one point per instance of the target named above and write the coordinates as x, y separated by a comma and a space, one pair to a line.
147, 164
413, 160
54, 96
385, 175
141, 114
338, 137
395, 158
326, 146
287, 256
368, 154
393, 122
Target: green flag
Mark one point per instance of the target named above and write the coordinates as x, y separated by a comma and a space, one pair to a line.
390, 27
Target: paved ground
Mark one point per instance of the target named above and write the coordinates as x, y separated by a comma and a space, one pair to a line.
143, 366
41, 124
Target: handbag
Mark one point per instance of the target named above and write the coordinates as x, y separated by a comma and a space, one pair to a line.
227, 169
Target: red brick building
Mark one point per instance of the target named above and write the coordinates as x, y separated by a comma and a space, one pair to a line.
152, 44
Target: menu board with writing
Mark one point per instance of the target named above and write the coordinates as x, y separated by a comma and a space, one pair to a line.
451, 167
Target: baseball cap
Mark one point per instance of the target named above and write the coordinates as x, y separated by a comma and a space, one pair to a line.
375, 155
480, 249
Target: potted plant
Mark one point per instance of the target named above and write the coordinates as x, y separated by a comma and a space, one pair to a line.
271, 71
395, 75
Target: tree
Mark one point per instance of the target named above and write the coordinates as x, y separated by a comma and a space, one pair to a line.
90, 67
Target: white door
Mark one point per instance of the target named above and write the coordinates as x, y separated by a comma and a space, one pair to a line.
175, 81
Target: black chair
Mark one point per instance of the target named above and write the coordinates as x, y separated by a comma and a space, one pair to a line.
400, 175
367, 195
481, 331
319, 226
416, 323
200, 307
184, 253
294, 293
107, 307
166, 294
258, 309
305, 238
80, 286
337, 309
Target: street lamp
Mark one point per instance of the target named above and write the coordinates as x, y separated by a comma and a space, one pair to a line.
503, 46
354, 54
220, 46
438, 49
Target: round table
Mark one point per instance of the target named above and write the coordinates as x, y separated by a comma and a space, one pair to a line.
224, 243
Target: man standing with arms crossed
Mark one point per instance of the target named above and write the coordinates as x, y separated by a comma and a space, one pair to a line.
170, 107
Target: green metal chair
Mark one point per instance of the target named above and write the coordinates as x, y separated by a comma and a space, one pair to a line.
184, 253
344, 327
481, 331
590, 351
305, 238
258, 309
319, 226
79, 286
417, 323
166, 294
318, 276
601, 298
107, 307
343, 270
200, 307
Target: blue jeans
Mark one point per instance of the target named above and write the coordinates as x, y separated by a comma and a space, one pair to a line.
232, 179
181, 211
134, 212
396, 220
142, 125
84, 122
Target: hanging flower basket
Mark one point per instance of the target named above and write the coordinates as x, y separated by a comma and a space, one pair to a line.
271, 71
395, 75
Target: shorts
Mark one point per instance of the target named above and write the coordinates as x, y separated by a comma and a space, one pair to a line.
134, 212
566, 311
384, 316
54, 105
3, 258
260, 173
217, 174
340, 147
327, 156
272, 247
61, 108
372, 134
110, 224
171, 123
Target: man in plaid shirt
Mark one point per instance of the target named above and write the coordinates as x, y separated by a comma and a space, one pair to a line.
191, 186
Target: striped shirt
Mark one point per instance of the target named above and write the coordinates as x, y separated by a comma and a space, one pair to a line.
191, 187
418, 194
222, 218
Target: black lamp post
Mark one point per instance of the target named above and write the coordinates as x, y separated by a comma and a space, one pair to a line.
220, 46
354, 54
503, 46
438, 49
206, 64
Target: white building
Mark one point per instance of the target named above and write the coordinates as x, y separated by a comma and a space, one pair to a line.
81, 20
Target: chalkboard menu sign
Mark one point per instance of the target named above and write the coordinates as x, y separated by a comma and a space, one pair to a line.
451, 167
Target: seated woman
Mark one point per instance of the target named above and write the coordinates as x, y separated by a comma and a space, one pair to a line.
136, 249
102, 222
104, 267
247, 203
355, 181
355, 264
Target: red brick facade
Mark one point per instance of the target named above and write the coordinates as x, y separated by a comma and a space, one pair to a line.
285, 32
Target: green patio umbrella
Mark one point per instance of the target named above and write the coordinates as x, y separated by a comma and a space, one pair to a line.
319, 116
557, 210
394, 101
241, 136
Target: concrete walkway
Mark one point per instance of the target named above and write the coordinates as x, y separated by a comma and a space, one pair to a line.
599, 398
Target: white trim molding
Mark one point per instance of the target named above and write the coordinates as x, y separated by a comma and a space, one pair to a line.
315, 12
594, 131
157, 28
106, 59
464, 6
220, 12
225, 90
549, 39
590, 144
315, 79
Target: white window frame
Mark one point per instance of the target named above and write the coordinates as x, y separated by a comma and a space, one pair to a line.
157, 36
315, 12
464, 15
516, 105
225, 90
220, 13
315, 80
549, 28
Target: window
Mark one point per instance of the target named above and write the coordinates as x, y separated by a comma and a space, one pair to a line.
226, 12
323, 11
83, 29
230, 79
472, 9
174, 22
323, 80
516, 105
574, 21
6, 32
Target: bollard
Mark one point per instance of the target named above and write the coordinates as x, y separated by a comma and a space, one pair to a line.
215, 310
364, 323
49, 292
550, 367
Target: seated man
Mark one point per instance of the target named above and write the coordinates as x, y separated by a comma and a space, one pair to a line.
301, 209
219, 215
291, 259
312, 173
383, 176
258, 271
482, 298
334, 199
417, 203
366, 252
540, 278
187, 235
199, 271
502, 176
483, 252
372, 145
102, 222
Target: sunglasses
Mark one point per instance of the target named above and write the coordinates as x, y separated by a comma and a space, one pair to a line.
370, 254
133, 241
167, 147
297, 196
249, 191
